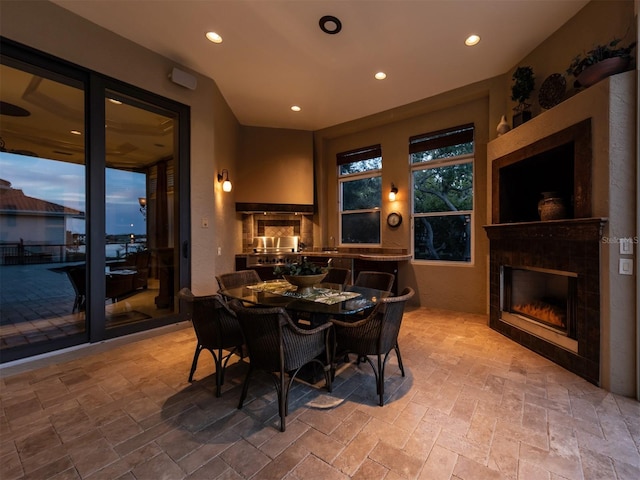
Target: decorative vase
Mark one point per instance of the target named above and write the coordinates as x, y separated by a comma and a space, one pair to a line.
551, 207
503, 127
304, 283
601, 70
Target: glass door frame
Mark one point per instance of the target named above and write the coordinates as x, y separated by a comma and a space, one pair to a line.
98, 86
95, 86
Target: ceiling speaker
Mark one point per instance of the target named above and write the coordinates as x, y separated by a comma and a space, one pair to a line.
183, 79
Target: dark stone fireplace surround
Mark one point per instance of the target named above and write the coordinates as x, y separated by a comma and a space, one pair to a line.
569, 245
560, 162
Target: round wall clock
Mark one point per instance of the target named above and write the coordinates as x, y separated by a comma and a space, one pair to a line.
394, 219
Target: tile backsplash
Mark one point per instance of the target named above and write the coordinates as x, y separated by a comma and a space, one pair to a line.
258, 225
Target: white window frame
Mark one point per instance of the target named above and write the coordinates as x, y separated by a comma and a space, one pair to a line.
468, 158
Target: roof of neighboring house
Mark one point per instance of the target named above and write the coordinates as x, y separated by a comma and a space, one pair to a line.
14, 201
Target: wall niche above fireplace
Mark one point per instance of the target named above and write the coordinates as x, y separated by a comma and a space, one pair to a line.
558, 163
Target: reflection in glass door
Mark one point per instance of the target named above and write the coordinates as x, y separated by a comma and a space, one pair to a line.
42, 210
89, 205
139, 212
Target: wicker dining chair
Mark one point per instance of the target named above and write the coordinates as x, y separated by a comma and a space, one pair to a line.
376, 335
78, 278
217, 330
377, 280
230, 280
338, 275
279, 347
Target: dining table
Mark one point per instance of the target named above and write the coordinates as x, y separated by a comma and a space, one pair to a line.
312, 307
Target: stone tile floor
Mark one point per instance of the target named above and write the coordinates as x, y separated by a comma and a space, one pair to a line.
474, 405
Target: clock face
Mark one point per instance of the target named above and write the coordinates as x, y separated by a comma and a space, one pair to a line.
394, 219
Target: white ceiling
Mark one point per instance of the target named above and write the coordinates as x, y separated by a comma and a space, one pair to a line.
274, 54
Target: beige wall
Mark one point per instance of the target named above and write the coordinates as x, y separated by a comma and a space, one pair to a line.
216, 136
275, 166
432, 283
482, 103
598, 22
214, 129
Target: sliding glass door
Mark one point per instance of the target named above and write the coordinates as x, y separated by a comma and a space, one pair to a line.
140, 215
92, 243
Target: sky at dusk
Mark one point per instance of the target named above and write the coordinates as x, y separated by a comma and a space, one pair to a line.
63, 183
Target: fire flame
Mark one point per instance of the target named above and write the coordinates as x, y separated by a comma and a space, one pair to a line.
544, 312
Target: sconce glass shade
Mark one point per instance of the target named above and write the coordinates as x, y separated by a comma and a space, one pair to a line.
143, 206
226, 183
392, 193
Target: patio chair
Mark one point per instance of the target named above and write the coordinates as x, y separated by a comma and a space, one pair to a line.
237, 279
338, 275
217, 329
78, 278
375, 335
377, 280
277, 346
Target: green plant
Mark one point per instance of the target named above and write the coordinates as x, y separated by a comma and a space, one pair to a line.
522, 87
303, 267
598, 54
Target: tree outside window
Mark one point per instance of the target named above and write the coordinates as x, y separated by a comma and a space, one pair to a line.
360, 182
442, 171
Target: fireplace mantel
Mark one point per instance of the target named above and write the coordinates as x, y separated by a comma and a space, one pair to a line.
575, 229
610, 108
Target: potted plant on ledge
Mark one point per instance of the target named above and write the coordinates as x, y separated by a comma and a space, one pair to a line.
521, 89
302, 274
600, 62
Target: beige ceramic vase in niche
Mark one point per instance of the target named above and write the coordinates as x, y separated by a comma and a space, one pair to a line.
503, 127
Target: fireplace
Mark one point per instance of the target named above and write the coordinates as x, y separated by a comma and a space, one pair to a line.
557, 262
542, 302
544, 275
595, 173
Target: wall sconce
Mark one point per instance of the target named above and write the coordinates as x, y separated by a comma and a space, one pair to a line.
143, 207
226, 183
392, 193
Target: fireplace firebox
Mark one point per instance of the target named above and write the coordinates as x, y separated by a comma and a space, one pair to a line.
540, 301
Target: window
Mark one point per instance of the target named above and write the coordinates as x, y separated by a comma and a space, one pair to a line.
442, 174
360, 185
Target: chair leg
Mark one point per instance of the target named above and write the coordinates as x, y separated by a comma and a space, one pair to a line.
397, 347
219, 372
245, 387
195, 362
380, 379
283, 394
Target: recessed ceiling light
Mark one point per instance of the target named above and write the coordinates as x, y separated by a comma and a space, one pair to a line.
76, 132
214, 37
330, 24
472, 40
380, 75
295, 108
114, 101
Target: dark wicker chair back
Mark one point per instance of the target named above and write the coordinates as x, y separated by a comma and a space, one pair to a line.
375, 335
217, 329
277, 346
230, 280
337, 275
378, 280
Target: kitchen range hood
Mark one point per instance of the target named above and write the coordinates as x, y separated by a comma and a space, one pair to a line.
273, 208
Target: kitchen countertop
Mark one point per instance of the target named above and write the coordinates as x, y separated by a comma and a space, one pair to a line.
371, 256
